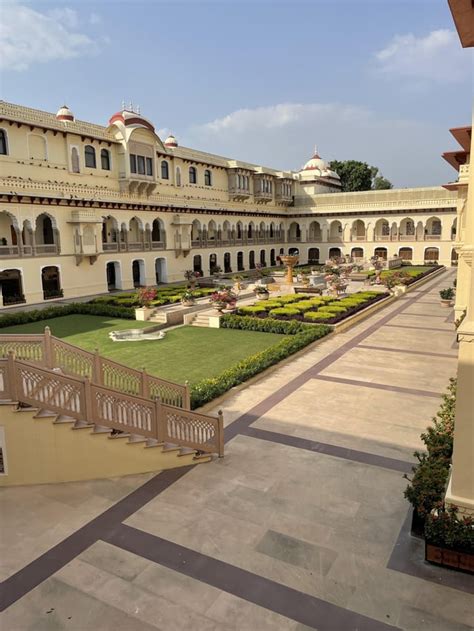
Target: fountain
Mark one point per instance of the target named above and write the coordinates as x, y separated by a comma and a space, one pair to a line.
290, 261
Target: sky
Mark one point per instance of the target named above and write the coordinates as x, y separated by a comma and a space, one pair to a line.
258, 80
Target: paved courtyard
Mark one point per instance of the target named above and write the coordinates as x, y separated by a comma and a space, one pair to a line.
302, 525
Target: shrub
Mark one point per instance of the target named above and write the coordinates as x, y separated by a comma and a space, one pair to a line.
209, 389
318, 315
291, 298
447, 294
271, 304
304, 305
36, 315
332, 309
284, 311
268, 325
445, 528
252, 309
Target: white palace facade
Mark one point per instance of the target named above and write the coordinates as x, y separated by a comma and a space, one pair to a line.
86, 209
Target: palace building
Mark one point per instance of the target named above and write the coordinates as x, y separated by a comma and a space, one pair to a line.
87, 208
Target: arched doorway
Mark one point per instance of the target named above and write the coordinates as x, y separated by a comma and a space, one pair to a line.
381, 253
240, 261
272, 257
293, 252
334, 253
263, 258
51, 282
313, 256
454, 257
405, 254
197, 264
431, 256
114, 276
212, 263
11, 287
138, 273
251, 259
161, 274
227, 267
357, 253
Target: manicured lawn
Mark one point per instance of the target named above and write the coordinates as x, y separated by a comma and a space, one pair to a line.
186, 353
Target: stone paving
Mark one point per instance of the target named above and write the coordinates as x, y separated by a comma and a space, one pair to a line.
302, 525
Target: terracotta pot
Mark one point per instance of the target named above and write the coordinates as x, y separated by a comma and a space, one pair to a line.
446, 303
263, 296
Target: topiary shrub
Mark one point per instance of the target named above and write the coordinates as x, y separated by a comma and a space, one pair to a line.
252, 309
284, 311
304, 305
317, 316
332, 309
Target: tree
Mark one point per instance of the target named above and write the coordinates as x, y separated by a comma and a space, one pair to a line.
359, 176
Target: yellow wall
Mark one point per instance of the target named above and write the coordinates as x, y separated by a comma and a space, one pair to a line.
39, 452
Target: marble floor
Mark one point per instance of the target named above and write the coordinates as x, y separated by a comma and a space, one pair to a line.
302, 525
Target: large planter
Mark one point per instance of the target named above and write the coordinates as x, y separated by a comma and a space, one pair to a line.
143, 313
188, 303
263, 296
446, 303
462, 560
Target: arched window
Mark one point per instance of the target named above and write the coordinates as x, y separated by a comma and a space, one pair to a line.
207, 178
165, 172
3, 143
105, 159
192, 175
89, 157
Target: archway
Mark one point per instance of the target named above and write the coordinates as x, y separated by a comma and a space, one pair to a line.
405, 254
197, 264
381, 253
357, 253
431, 256
240, 261
51, 282
293, 252
315, 233
161, 274
9, 234
157, 233
227, 266
294, 232
11, 287
382, 230
213, 263
114, 275
272, 257
358, 230
335, 231
334, 253
138, 273
263, 260
454, 257
251, 259
44, 233
313, 256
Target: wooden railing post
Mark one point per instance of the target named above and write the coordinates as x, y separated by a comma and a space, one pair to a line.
48, 348
144, 384
11, 377
160, 421
97, 368
220, 433
187, 396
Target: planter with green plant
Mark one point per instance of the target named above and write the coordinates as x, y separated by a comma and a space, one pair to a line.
223, 299
261, 292
449, 539
188, 299
447, 296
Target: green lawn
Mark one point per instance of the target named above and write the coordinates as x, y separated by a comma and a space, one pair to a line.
186, 353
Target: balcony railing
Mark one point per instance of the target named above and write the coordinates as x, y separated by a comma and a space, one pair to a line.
18, 251
432, 237
110, 247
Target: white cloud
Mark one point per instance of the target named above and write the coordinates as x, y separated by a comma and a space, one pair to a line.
283, 136
95, 18
28, 36
436, 57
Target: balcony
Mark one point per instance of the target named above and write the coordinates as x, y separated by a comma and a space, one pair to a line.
263, 196
357, 237
239, 194
432, 237
383, 237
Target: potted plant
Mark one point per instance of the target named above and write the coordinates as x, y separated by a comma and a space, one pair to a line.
449, 539
191, 276
144, 297
447, 296
261, 292
396, 282
188, 299
304, 278
223, 299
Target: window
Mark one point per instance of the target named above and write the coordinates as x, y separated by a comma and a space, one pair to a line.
133, 163
149, 166
141, 165
3, 143
105, 159
192, 175
89, 157
165, 172
207, 178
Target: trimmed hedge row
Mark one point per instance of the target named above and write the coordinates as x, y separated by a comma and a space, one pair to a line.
300, 335
36, 315
165, 296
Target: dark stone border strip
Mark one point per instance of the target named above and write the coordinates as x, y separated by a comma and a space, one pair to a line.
379, 386
286, 601
345, 453
408, 558
17, 585
418, 328
421, 315
405, 350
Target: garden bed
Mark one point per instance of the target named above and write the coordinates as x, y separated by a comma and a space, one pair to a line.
308, 309
164, 296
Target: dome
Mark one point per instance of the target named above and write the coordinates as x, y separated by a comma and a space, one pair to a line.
64, 114
318, 167
171, 141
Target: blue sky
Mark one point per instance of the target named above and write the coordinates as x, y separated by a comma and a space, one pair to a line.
260, 80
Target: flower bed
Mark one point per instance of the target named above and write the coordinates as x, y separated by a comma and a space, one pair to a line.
449, 538
309, 309
407, 274
163, 296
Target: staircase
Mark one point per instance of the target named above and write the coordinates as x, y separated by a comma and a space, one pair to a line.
158, 316
200, 319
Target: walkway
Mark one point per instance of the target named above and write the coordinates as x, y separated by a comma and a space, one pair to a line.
301, 526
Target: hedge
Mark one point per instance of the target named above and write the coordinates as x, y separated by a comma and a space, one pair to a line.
36, 315
300, 336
